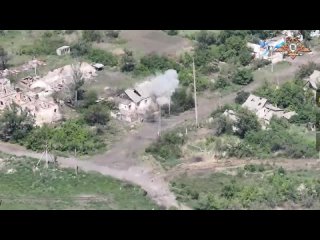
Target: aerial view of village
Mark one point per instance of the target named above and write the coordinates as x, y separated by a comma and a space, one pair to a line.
159, 119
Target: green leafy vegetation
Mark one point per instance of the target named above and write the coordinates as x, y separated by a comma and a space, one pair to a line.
97, 114
291, 95
68, 136
167, 150
241, 97
15, 123
102, 56
45, 45
153, 63
181, 100
91, 35
243, 76
262, 187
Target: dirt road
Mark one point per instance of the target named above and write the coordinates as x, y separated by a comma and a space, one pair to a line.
122, 161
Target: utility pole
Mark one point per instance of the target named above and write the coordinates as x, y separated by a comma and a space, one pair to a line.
195, 92
169, 105
46, 155
159, 126
75, 160
271, 49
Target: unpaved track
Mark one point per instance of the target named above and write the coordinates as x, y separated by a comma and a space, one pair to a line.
122, 160
222, 165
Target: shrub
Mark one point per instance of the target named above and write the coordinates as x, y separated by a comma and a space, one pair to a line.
90, 98
97, 114
206, 38
241, 97
81, 48
104, 57
221, 83
181, 101
46, 45
171, 32
223, 125
67, 137
91, 36
259, 63
154, 63
112, 33
167, 148
247, 121
15, 123
127, 63
243, 77
306, 70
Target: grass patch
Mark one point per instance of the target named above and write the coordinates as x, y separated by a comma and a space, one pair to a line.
61, 189
249, 189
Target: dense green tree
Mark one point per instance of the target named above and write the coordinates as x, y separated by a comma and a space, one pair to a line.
15, 123
243, 76
247, 121
206, 38
181, 101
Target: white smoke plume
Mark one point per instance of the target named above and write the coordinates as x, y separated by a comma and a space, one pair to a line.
161, 86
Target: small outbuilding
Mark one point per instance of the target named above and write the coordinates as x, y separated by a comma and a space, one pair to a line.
98, 66
64, 50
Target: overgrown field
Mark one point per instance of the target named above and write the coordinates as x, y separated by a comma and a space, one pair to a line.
54, 188
254, 187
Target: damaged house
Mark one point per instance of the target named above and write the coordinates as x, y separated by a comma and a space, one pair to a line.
135, 105
264, 110
44, 111
313, 81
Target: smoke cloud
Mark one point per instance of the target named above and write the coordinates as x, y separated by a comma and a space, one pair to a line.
161, 86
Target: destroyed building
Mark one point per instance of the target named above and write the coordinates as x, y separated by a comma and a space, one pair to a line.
134, 105
44, 111
264, 110
312, 82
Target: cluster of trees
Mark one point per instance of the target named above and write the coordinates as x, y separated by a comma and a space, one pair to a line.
227, 45
277, 140
17, 125
291, 95
280, 141
181, 100
70, 135
247, 121
240, 193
